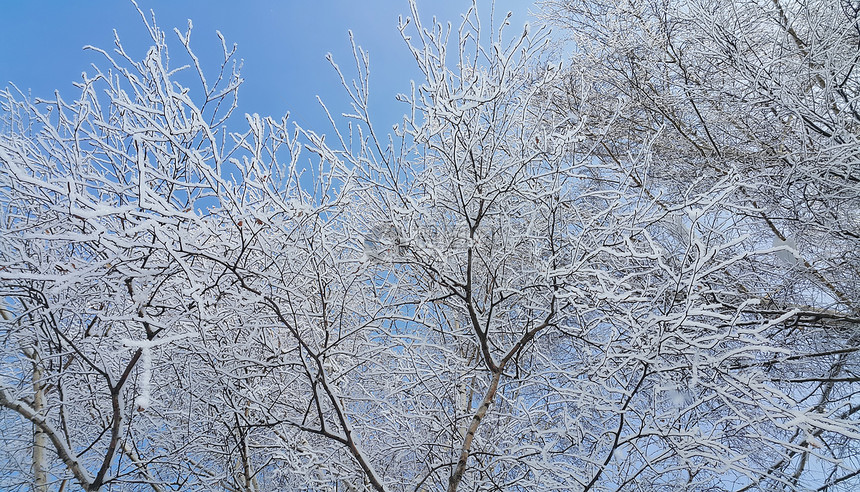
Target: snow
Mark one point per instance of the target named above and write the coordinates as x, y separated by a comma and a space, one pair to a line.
145, 382
144, 398
786, 250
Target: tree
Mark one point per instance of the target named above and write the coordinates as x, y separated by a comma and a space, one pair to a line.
763, 93
103, 311
546, 278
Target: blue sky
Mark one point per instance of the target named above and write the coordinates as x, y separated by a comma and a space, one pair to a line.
283, 45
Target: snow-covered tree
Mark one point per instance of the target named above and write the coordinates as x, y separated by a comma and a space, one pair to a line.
112, 321
627, 262
763, 94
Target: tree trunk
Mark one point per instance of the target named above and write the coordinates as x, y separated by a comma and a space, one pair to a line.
40, 439
457, 475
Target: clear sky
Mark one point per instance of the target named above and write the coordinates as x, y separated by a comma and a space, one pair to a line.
283, 45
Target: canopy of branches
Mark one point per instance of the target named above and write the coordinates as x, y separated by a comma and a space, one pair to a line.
621, 256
